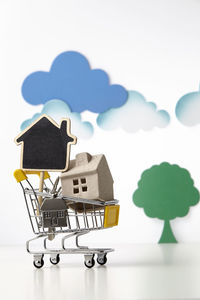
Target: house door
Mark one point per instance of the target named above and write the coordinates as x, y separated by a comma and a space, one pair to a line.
54, 221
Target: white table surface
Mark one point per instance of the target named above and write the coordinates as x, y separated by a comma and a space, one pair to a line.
132, 272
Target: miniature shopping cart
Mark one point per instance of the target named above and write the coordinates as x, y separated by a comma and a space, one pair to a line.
66, 217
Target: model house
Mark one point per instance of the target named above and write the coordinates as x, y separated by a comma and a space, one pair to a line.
88, 177
54, 213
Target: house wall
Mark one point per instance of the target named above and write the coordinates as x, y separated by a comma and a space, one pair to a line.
105, 181
91, 184
48, 222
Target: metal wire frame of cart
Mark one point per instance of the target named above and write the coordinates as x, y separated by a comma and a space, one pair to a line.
82, 216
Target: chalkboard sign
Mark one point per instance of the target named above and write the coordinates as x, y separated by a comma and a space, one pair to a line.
46, 145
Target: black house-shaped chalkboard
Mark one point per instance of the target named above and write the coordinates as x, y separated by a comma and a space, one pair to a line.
45, 145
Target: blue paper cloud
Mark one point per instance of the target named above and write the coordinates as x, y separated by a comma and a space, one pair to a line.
188, 109
70, 79
136, 114
57, 110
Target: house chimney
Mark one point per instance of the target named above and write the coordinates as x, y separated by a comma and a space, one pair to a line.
83, 158
63, 129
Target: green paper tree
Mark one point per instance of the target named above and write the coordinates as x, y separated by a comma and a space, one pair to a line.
165, 192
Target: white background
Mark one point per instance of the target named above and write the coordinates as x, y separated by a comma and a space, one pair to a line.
149, 46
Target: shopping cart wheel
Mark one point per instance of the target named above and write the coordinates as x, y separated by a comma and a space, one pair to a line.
38, 263
55, 259
102, 259
89, 261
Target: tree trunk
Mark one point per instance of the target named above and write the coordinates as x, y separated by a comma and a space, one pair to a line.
167, 234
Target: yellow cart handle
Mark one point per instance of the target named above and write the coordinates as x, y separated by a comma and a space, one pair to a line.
20, 174
111, 215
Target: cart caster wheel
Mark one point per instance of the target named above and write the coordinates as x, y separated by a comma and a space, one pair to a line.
89, 263
55, 260
102, 260
38, 263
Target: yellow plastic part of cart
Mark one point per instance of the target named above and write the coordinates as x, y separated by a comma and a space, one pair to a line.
111, 216
20, 174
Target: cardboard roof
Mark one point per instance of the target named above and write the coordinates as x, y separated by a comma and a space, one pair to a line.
83, 164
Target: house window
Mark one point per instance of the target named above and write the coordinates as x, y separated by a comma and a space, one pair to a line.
76, 190
60, 214
79, 185
75, 181
47, 215
83, 180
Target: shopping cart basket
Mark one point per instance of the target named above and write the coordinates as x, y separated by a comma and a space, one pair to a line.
71, 216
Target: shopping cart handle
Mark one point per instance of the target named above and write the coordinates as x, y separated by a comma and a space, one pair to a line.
20, 174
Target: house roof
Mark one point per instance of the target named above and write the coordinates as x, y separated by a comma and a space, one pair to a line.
53, 204
83, 164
